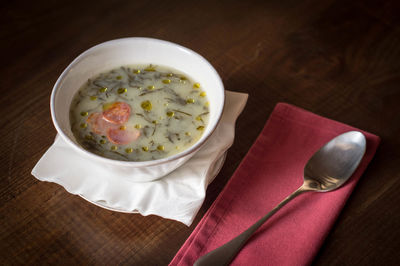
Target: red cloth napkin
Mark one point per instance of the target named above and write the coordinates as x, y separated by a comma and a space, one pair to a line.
272, 169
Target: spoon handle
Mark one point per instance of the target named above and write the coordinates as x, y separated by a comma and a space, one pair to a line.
225, 253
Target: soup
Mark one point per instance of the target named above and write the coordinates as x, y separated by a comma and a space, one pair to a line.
139, 113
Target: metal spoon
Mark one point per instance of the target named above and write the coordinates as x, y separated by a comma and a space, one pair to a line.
329, 168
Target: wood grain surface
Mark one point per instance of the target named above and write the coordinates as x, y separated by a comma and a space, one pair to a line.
337, 58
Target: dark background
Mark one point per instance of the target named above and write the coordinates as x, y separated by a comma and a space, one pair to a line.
339, 59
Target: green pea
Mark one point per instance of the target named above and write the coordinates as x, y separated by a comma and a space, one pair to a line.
150, 68
122, 90
160, 147
146, 105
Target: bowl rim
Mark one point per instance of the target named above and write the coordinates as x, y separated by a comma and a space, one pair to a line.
190, 151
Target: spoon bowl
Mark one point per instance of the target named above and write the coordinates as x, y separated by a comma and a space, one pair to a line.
328, 169
332, 165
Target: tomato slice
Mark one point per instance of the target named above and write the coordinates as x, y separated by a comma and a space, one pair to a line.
118, 113
122, 136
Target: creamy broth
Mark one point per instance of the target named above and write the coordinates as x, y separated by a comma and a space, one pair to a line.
139, 113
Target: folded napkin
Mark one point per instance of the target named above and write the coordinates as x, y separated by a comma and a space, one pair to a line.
272, 169
177, 196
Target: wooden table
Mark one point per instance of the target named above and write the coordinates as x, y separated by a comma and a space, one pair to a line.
339, 59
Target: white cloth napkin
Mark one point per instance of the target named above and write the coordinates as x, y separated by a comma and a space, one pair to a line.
178, 195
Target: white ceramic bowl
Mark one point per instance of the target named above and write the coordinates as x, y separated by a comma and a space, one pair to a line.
128, 51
